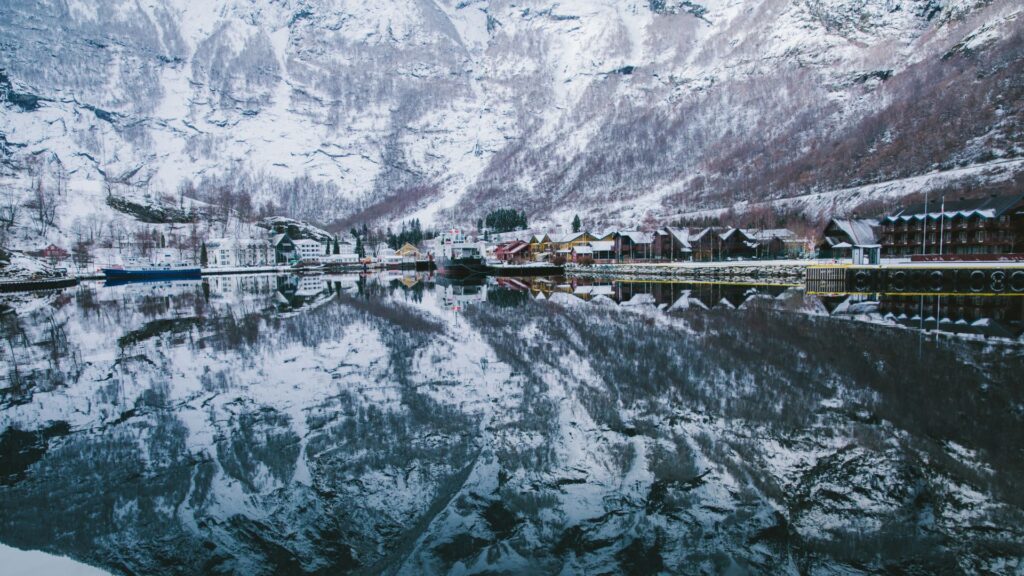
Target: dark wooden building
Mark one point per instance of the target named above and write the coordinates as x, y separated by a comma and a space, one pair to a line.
672, 245
982, 226
738, 244
842, 234
632, 245
706, 244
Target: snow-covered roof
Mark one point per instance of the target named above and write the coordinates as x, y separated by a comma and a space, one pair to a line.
637, 237
987, 207
226, 243
306, 242
582, 249
602, 245
770, 233
567, 237
682, 235
861, 231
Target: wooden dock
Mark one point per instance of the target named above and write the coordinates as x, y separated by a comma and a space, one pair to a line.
953, 278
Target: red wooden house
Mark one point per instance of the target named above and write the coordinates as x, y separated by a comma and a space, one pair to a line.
514, 251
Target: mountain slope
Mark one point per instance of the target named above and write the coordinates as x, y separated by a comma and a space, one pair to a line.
618, 109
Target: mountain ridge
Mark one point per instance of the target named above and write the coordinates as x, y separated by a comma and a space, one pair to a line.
442, 110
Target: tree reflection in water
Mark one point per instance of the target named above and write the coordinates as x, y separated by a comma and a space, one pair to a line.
265, 425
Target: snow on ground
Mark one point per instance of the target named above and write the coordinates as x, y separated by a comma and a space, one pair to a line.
17, 562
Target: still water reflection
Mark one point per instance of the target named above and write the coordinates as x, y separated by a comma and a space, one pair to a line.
402, 425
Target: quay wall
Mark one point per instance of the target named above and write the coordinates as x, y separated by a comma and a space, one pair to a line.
791, 270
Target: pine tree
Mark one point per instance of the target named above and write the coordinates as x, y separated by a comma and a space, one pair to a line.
360, 250
202, 255
576, 224
337, 246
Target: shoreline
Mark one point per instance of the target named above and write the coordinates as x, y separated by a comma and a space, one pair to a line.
764, 270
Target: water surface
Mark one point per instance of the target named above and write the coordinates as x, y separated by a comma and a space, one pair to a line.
397, 424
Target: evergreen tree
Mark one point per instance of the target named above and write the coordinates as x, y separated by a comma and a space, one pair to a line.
337, 246
360, 250
576, 223
202, 255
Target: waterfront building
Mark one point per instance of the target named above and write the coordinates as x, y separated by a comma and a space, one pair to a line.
672, 244
513, 251
842, 234
284, 248
307, 248
991, 225
230, 252
634, 245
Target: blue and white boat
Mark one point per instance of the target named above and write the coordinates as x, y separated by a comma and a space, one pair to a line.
152, 272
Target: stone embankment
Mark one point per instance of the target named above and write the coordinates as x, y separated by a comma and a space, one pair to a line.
765, 271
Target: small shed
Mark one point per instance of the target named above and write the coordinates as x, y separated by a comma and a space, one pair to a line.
867, 254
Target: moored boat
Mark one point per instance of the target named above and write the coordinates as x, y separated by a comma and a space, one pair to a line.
458, 258
151, 272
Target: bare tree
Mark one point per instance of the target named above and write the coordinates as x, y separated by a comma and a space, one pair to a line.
42, 204
10, 210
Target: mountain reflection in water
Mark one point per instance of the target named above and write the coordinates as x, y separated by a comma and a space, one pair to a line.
406, 425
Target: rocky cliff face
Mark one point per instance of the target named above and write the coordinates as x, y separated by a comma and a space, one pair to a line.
442, 108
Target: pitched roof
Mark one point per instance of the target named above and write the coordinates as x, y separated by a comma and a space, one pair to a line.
567, 237
637, 237
771, 233
862, 231
602, 245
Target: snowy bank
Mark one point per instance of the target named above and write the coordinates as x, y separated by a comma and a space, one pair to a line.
17, 562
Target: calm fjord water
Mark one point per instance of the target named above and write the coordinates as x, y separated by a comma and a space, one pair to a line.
396, 424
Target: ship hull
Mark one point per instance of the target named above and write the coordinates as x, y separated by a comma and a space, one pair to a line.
121, 274
461, 267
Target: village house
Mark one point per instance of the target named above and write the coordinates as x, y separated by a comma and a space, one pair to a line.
603, 251
409, 252
983, 226
564, 243
706, 244
346, 247
581, 254
284, 248
308, 248
841, 235
738, 244
633, 245
223, 252
540, 246
778, 243
672, 244
52, 253
383, 252
513, 251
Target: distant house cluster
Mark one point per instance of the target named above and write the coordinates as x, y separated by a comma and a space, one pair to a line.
667, 244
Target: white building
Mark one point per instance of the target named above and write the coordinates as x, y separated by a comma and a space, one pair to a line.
307, 248
224, 252
346, 247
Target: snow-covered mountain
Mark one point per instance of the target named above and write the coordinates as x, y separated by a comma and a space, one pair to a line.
619, 109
